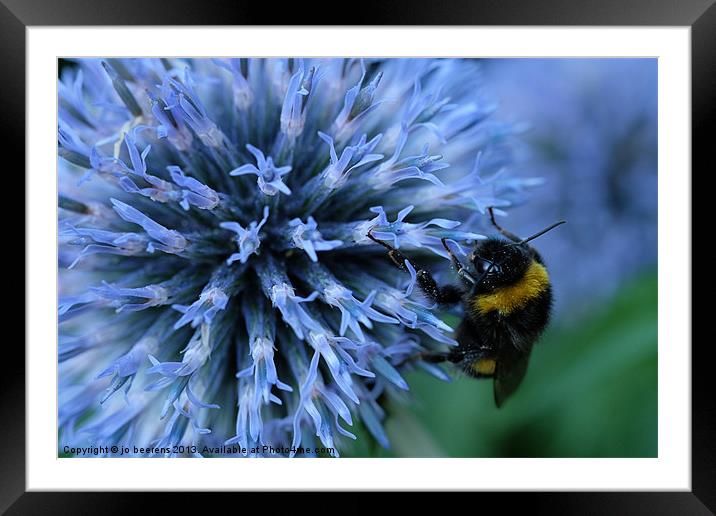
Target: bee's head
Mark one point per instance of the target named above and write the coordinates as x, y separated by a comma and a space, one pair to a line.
499, 263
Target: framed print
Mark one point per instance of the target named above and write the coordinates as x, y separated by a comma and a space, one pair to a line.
445, 251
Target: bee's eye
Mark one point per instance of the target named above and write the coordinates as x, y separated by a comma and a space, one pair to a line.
482, 265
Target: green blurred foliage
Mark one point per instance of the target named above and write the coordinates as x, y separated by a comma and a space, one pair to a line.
590, 391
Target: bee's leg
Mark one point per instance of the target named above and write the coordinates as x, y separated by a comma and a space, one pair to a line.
460, 269
499, 228
434, 357
455, 355
395, 255
447, 295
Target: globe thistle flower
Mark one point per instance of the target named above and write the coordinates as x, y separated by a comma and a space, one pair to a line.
218, 293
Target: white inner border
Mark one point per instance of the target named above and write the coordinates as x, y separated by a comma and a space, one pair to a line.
671, 470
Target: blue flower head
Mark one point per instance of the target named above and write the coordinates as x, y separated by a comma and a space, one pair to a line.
214, 264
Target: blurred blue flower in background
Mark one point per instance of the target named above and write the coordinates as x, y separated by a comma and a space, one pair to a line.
592, 137
216, 283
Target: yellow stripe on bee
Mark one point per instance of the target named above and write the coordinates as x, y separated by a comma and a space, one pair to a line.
513, 297
484, 366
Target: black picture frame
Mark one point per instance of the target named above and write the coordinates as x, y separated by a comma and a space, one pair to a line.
17, 15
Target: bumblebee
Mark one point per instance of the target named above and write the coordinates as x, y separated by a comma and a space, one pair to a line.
507, 300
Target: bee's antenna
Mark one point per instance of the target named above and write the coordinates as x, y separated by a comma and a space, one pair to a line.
540, 233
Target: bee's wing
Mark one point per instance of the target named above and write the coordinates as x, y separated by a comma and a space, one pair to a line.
510, 370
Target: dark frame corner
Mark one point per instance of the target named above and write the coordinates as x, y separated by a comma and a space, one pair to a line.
700, 15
